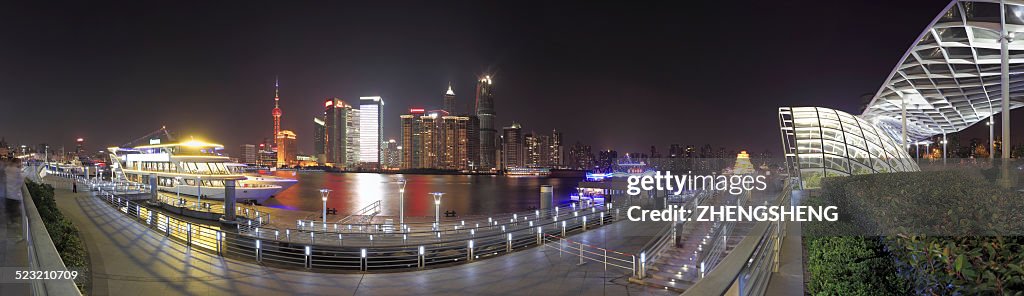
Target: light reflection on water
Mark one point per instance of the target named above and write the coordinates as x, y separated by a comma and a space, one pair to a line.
467, 195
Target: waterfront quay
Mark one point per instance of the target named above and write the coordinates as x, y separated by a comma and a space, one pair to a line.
129, 257
366, 246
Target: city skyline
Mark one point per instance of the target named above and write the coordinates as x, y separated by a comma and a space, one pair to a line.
227, 87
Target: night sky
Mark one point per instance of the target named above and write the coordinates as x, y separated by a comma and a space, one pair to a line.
609, 75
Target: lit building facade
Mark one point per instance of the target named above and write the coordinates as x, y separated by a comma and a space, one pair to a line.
341, 128
247, 154
319, 140
454, 152
486, 114
371, 130
412, 142
512, 147
448, 100
392, 157
286, 150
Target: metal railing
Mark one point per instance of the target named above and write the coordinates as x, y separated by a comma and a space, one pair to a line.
749, 266
666, 238
324, 251
593, 253
42, 254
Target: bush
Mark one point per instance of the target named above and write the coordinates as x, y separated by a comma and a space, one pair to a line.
847, 265
64, 234
947, 232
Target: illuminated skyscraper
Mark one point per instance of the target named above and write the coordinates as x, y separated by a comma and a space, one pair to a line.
556, 152
473, 143
485, 112
319, 140
412, 142
371, 130
341, 126
453, 151
80, 147
512, 146
449, 100
286, 152
392, 157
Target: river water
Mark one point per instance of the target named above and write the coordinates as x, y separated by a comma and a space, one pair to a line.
465, 194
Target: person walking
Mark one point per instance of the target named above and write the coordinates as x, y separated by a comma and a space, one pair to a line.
74, 186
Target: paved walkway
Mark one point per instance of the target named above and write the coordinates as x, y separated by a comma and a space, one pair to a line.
128, 259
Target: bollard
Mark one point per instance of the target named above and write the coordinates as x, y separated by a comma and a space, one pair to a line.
259, 255
469, 251
309, 257
422, 258
539, 236
584, 223
362, 259
508, 248
563, 228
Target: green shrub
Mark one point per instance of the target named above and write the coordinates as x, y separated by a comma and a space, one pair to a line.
947, 233
64, 234
847, 265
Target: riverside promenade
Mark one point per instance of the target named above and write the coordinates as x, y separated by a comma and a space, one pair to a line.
129, 259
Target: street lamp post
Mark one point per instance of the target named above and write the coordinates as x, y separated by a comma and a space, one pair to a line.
401, 203
323, 194
437, 209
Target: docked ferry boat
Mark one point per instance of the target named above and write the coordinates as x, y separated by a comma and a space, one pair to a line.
255, 177
192, 168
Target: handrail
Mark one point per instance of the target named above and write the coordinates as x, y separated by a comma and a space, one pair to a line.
739, 261
373, 208
42, 254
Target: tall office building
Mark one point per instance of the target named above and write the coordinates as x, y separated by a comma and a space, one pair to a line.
486, 114
532, 151
371, 130
430, 140
473, 143
247, 154
80, 147
454, 154
319, 140
581, 157
512, 150
449, 100
341, 134
412, 146
286, 151
556, 152
392, 157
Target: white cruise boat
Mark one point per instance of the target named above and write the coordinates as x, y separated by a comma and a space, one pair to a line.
190, 168
257, 178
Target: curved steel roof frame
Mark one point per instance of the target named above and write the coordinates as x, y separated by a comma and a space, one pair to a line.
949, 79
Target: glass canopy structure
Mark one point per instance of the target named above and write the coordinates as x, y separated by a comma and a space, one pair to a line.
954, 75
822, 142
949, 79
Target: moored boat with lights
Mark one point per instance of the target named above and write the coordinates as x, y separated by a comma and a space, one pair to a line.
193, 168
